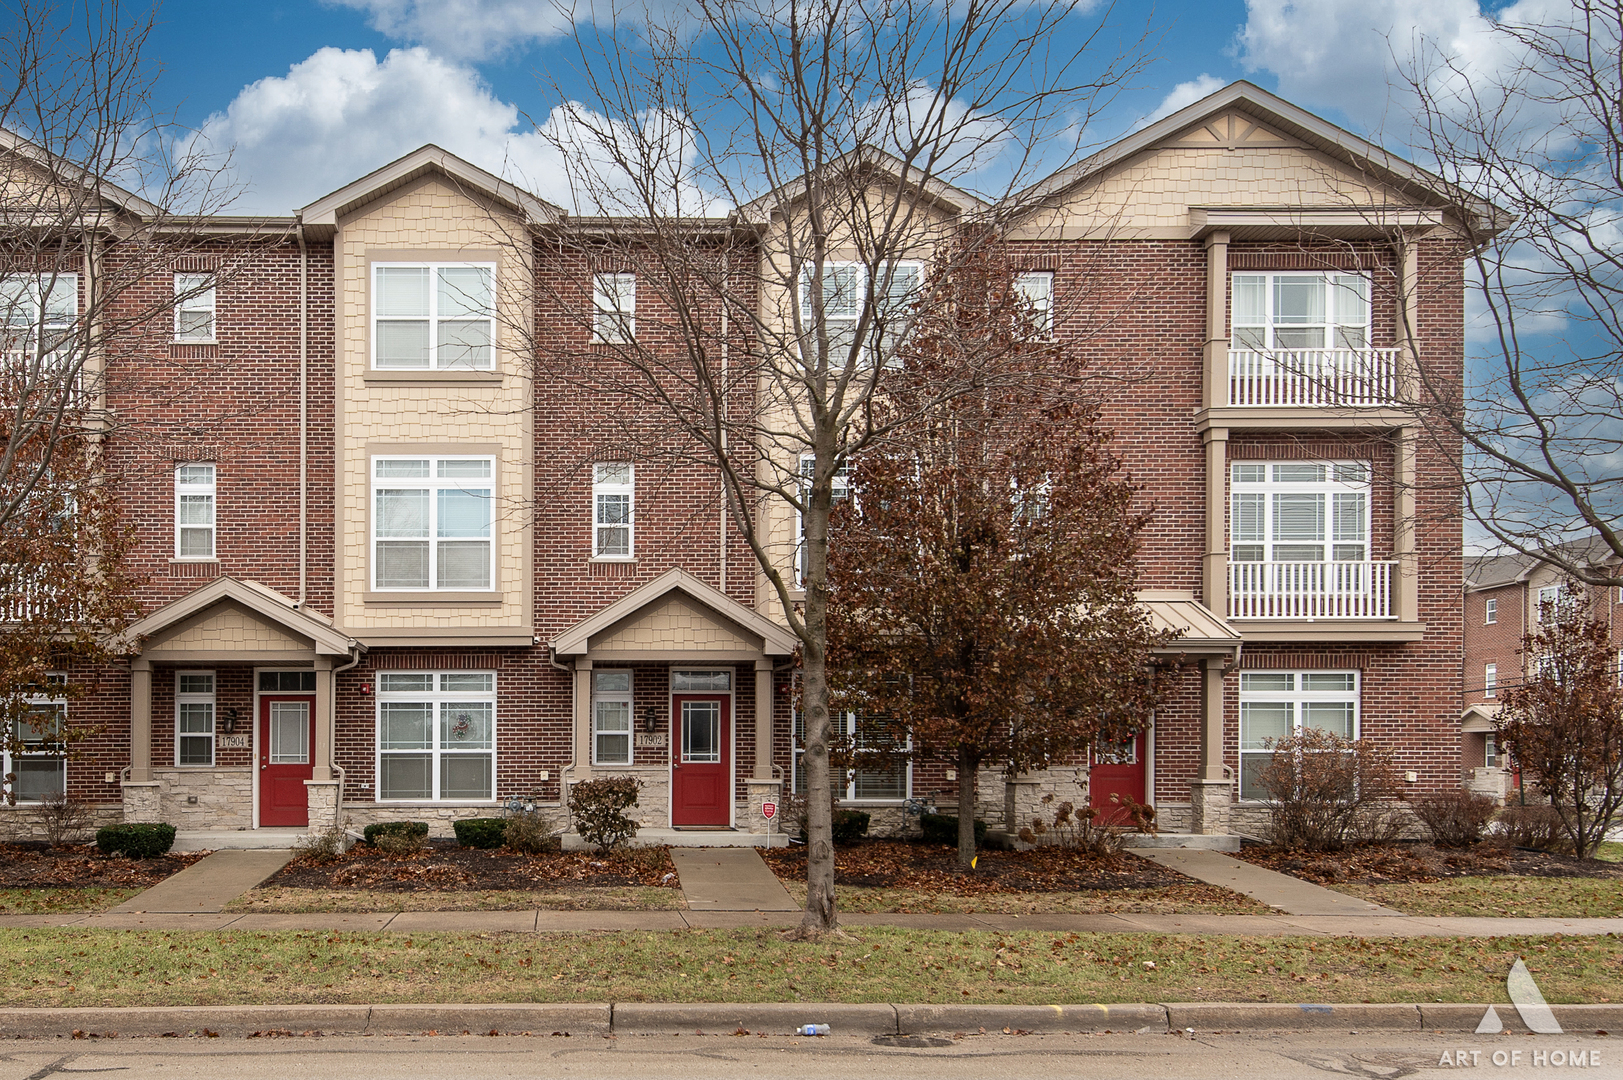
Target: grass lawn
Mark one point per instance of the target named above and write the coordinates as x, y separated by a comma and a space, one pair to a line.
1188, 899
60, 967
50, 901
288, 900
1610, 850
1501, 897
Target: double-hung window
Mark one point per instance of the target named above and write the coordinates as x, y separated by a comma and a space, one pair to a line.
39, 764
611, 717
1490, 611
614, 308
1490, 680
434, 316
1553, 600
1299, 511
437, 736
613, 494
433, 523
38, 312
194, 511
1278, 704
194, 307
845, 294
1036, 289
842, 490
882, 773
1285, 312
194, 718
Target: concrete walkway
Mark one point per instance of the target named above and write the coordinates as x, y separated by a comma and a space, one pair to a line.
1281, 891
729, 879
209, 884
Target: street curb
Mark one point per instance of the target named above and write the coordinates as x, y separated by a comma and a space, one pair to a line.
776, 1018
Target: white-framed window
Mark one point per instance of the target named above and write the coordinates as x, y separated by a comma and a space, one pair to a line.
845, 292
194, 511
1036, 288
433, 523
1491, 756
1490, 611
614, 308
37, 309
707, 681
194, 718
614, 489
875, 779
39, 766
1490, 680
841, 490
194, 307
437, 736
1552, 600
1277, 704
434, 316
1300, 311
612, 717
1299, 511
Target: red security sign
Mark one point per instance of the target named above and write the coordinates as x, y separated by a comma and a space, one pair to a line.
769, 810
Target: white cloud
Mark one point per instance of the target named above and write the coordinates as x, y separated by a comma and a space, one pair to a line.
1185, 93
478, 29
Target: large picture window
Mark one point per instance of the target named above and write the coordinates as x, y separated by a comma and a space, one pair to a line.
433, 316
437, 736
611, 717
433, 523
845, 293
39, 765
876, 778
1280, 312
194, 718
1277, 704
1299, 511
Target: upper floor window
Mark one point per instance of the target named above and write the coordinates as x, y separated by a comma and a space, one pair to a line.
614, 308
613, 492
1490, 611
194, 718
194, 307
1300, 511
194, 511
845, 293
1278, 704
37, 310
38, 765
1301, 311
434, 316
433, 523
1036, 288
842, 490
1553, 599
1490, 680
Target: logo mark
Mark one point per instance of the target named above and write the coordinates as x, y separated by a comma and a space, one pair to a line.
1524, 994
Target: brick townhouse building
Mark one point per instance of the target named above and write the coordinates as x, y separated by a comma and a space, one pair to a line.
403, 578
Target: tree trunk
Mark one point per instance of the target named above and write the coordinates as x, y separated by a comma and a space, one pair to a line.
967, 764
821, 917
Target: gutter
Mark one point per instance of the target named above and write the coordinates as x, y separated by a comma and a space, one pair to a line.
304, 418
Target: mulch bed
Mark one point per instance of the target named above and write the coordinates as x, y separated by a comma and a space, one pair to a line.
900, 864
84, 867
1377, 864
444, 866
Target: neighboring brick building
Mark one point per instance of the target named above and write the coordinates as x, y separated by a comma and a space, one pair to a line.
404, 580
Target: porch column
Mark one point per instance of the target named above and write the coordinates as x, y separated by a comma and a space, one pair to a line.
321, 754
1216, 390
1407, 586
1209, 795
763, 720
583, 718
1215, 569
140, 721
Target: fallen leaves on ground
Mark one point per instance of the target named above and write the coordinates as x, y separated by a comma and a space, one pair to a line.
83, 867
901, 864
443, 866
1380, 864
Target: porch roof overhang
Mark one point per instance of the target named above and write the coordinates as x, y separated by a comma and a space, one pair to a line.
758, 636
1200, 633
260, 601
1294, 222
1479, 717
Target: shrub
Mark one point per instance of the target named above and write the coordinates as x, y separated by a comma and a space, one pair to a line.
65, 819
1085, 829
1329, 792
1457, 818
943, 829
418, 829
598, 808
480, 832
531, 834
137, 840
1535, 826
850, 825
322, 847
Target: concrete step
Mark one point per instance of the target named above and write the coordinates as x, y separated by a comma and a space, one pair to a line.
686, 838
1197, 841
238, 839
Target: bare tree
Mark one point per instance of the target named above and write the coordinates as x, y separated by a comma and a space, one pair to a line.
1533, 156
773, 177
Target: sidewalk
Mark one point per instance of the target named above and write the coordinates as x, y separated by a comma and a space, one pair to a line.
1291, 895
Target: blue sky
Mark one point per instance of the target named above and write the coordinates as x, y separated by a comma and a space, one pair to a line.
313, 94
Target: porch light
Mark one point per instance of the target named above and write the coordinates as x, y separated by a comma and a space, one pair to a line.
650, 719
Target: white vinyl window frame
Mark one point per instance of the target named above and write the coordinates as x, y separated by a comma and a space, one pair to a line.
1554, 598
1036, 288
614, 501
195, 719
841, 491
845, 293
196, 507
867, 786
1275, 704
37, 304
614, 718
1299, 511
433, 523
1490, 611
1490, 680
1289, 311
614, 308
433, 316
195, 308
40, 773
436, 737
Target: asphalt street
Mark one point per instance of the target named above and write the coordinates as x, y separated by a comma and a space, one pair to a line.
666, 1057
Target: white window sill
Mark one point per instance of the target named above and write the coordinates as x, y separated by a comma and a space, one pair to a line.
444, 804
622, 560
195, 559
195, 341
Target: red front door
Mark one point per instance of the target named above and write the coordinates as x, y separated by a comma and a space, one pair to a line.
287, 731
701, 735
1118, 769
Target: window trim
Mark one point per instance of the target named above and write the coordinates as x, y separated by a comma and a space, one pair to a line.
210, 699
628, 696
1490, 680
848, 727
433, 318
8, 760
1269, 491
1296, 697
432, 483
1043, 305
614, 310
435, 698
1490, 611
1331, 311
189, 296
628, 489
212, 494
841, 490
874, 346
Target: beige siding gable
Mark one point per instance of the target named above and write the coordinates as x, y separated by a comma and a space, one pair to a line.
676, 624
228, 628
1231, 132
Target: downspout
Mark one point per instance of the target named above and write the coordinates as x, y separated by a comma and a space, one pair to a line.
332, 711
566, 773
304, 430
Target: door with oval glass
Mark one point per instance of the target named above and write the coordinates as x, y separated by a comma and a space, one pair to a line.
286, 733
701, 738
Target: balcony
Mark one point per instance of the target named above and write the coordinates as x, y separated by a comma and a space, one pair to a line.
1313, 378
1311, 590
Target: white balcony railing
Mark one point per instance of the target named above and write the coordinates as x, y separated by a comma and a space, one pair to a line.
1313, 378
1310, 590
